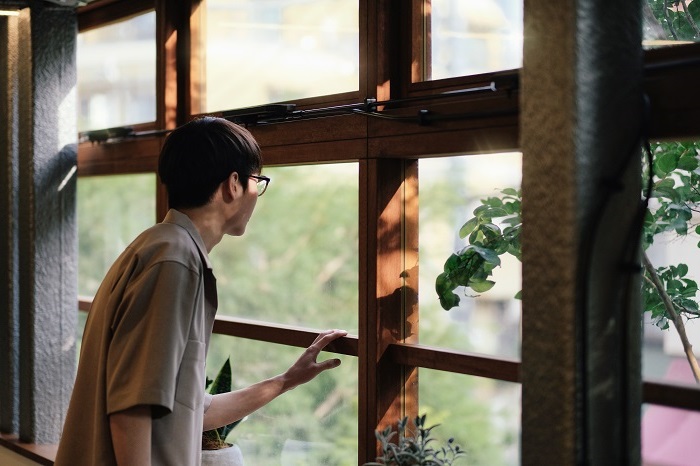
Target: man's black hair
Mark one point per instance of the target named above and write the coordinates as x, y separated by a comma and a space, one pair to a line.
198, 156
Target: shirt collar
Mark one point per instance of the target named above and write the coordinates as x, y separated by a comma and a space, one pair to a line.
178, 218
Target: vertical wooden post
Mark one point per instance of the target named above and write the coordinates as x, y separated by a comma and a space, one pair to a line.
388, 294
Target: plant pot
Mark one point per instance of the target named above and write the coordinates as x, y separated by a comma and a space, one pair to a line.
230, 456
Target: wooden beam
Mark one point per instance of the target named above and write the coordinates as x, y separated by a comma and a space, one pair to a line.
101, 13
452, 361
280, 334
138, 155
671, 394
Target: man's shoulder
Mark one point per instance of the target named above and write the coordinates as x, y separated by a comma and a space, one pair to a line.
166, 242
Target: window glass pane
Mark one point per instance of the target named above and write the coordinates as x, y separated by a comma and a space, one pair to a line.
669, 436
314, 424
450, 189
482, 415
674, 254
112, 211
475, 36
670, 23
117, 74
297, 263
262, 51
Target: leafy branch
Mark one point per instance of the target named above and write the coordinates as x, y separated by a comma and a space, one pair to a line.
669, 295
474, 264
678, 18
669, 308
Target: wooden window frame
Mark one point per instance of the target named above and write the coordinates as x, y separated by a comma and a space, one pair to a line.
387, 152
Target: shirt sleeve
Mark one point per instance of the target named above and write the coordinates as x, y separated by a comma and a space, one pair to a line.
207, 401
150, 335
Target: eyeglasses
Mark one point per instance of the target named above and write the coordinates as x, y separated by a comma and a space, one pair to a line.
261, 182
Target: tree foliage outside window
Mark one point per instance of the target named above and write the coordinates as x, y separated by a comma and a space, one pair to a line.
297, 264
669, 294
112, 211
676, 20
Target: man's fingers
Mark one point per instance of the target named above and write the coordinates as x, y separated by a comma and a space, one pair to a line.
326, 337
329, 364
322, 340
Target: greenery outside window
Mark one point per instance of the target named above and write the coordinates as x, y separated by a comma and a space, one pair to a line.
483, 418
297, 264
315, 424
112, 211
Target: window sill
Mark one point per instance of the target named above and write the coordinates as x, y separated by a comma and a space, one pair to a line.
41, 454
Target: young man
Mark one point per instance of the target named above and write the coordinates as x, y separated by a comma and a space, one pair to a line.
139, 393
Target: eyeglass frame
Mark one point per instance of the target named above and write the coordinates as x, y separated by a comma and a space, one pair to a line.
260, 179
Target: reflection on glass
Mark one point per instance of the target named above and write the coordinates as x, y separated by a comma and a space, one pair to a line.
475, 36
297, 263
482, 415
271, 51
669, 22
450, 189
112, 211
117, 74
314, 424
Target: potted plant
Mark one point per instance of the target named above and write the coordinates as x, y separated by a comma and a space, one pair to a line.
414, 448
215, 449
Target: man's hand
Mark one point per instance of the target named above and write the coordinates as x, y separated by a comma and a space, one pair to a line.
228, 407
306, 368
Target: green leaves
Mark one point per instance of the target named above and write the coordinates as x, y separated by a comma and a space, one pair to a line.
468, 227
472, 266
665, 163
680, 290
495, 227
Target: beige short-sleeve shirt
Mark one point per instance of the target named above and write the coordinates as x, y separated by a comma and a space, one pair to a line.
145, 343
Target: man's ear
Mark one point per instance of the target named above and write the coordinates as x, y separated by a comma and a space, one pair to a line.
231, 187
